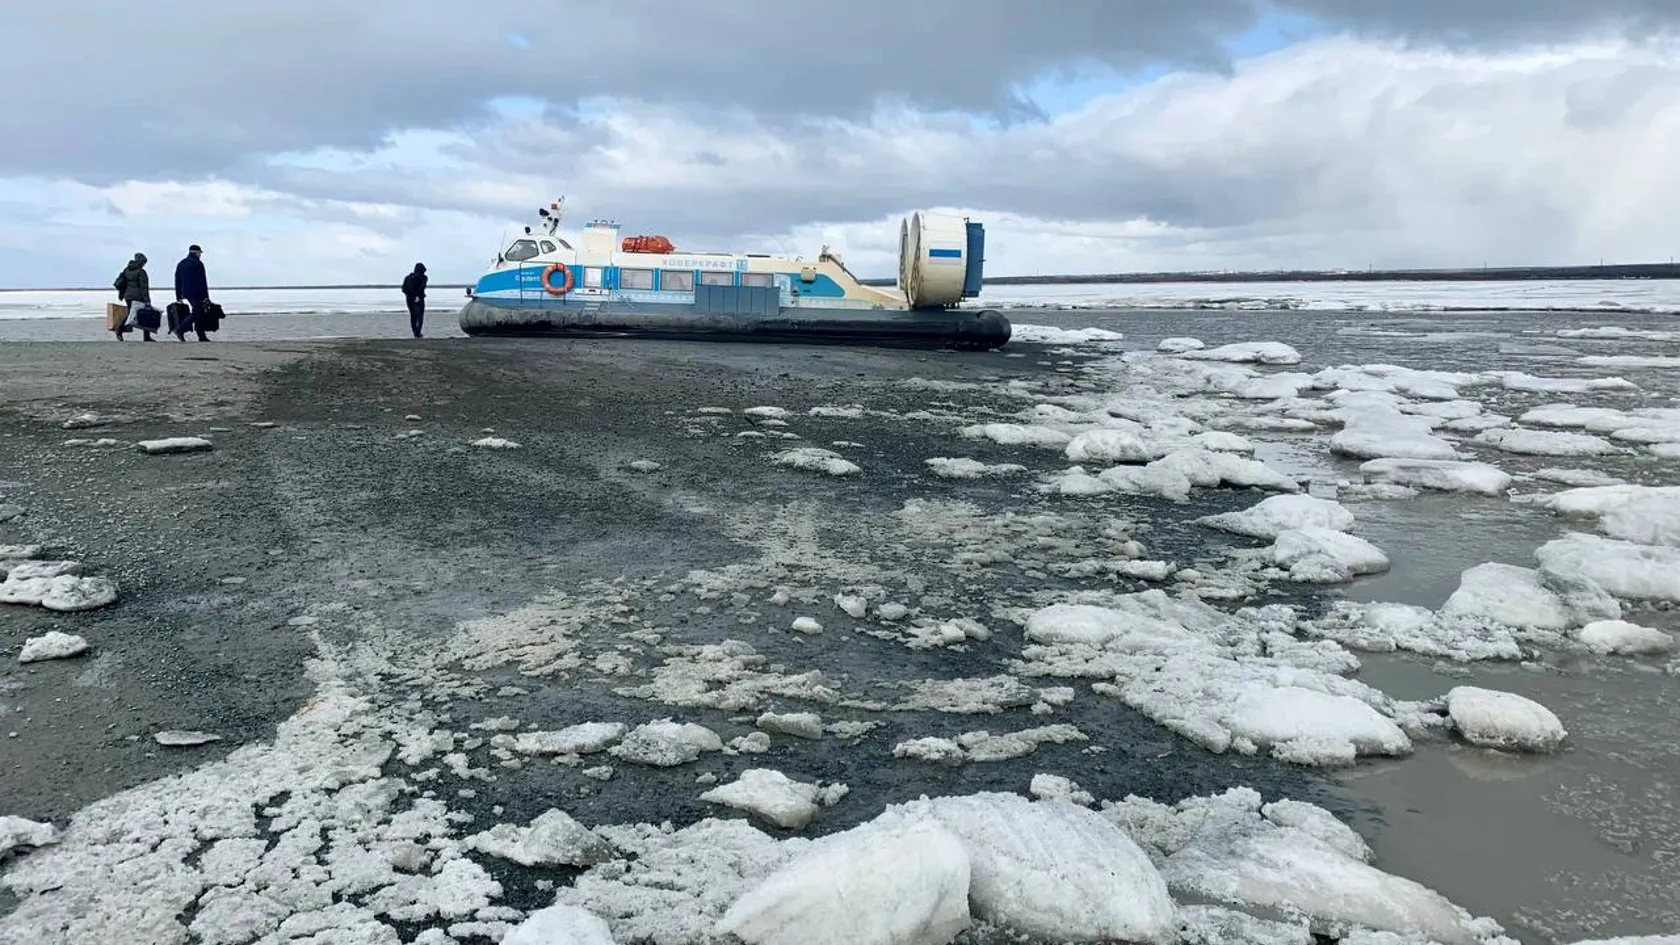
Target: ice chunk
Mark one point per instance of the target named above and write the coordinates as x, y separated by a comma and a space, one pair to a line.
52, 645
767, 413
984, 746
1624, 638
1112, 446
769, 795
1385, 627
643, 466
1627, 570
664, 743
1325, 556
1221, 848
806, 625
816, 460
552, 839
797, 724
1015, 434
962, 468
16, 833
1513, 596
1576, 477
1312, 727
1249, 352
560, 925
1277, 514
1179, 345
1496, 719
903, 884
14, 554
1648, 519
174, 444
1546, 443
68, 593
1438, 474
1051, 871
178, 738
1048, 335
1091, 625
38, 570
1054, 787
582, 739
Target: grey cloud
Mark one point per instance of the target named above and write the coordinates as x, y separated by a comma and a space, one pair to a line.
1493, 22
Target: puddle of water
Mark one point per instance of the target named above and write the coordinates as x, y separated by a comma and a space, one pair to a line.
1581, 844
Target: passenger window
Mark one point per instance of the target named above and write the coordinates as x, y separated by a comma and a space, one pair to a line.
763, 279
592, 277
717, 278
635, 278
676, 280
521, 250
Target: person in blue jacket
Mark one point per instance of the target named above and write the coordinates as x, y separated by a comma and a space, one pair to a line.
192, 286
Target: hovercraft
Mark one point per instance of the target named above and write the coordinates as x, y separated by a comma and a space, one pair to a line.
540, 284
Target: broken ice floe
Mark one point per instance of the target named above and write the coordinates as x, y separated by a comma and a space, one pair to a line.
495, 443
1289, 858
1240, 683
775, 798
178, 738
1438, 474
1505, 720
174, 444
52, 645
18, 833
984, 746
49, 585
963, 468
1272, 516
816, 459
664, 743
552, 839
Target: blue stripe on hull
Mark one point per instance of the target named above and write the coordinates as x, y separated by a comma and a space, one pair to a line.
945, 253
975, 330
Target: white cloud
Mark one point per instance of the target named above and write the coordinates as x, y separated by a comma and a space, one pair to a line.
1335, 152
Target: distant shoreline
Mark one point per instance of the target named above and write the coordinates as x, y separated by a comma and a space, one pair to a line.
1485, 274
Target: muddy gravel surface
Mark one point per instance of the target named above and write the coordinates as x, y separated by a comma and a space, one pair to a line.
322, 487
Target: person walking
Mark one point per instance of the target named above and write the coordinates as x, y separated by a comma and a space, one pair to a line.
192, 287
134, 286
414, 293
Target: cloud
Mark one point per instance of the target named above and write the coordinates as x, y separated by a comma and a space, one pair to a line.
325, 142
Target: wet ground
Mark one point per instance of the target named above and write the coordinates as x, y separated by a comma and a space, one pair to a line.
218, 553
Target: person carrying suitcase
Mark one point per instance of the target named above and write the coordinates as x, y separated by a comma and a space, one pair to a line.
414, 293
192, 287
134, 286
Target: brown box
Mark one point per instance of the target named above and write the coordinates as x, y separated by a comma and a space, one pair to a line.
115, 312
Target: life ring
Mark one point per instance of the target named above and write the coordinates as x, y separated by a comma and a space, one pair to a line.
549, 286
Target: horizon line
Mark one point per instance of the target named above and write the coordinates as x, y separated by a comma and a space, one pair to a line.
1601, 270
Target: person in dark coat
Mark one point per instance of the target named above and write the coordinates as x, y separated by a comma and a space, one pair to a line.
414, 293
134, 286
192, 286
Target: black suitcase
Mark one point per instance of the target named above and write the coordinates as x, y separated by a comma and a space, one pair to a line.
211, 317
148, 318
176, 312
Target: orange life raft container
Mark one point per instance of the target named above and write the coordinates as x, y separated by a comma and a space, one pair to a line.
648, 244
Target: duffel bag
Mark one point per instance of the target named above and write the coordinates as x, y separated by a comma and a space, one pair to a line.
148, 318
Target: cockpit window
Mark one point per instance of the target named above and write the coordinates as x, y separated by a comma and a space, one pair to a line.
547, 246
521, 250
564, 245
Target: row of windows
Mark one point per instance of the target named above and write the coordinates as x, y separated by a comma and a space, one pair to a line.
682, 280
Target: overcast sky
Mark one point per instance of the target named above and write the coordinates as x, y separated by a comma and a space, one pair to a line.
319, 141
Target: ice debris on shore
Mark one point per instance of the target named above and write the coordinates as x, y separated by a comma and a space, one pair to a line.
174, 444
64, 592
17, 833
52, 645
816, 459
495, 443
775, 798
